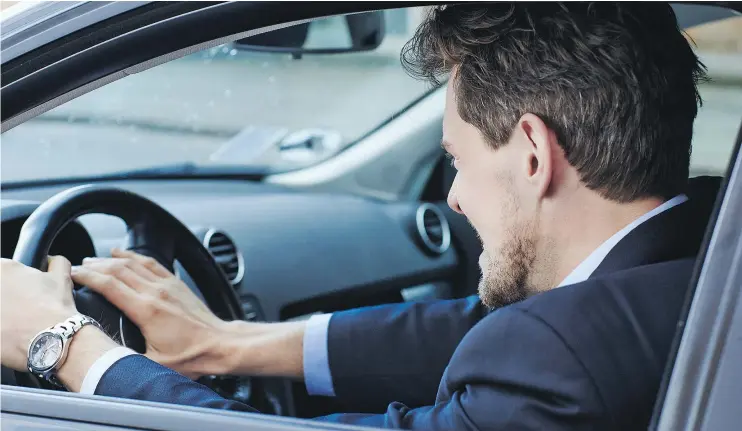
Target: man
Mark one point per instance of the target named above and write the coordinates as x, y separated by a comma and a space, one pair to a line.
570, 128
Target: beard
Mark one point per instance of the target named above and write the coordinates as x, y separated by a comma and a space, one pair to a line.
506, 273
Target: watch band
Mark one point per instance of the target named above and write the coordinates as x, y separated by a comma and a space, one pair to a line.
69, 327
66, 329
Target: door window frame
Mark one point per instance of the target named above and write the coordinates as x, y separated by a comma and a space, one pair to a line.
705, 372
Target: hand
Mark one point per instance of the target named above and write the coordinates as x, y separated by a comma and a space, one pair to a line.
31, 302
180, 330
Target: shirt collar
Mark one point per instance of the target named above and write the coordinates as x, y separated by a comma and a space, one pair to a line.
587, 266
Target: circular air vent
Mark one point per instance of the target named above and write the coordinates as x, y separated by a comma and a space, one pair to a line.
433, 229
225, 254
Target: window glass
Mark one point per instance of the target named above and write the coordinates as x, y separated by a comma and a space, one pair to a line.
719, 45
225, 105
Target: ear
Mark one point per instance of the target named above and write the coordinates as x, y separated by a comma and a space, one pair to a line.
541, 147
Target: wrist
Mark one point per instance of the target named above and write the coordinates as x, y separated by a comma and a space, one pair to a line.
258, 349
86, 347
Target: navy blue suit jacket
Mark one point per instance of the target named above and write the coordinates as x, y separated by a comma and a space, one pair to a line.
586, 356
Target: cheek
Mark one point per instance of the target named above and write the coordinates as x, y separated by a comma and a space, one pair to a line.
483, 202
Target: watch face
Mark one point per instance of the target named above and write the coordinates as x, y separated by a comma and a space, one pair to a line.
45, 351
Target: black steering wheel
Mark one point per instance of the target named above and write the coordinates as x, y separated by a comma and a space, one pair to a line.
152, 231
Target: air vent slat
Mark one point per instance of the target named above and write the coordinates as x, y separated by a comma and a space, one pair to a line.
218, 249
435, 232
225, 254
221, 260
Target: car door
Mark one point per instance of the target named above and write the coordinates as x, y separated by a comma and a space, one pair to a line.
703, 385
73, 55
32, 409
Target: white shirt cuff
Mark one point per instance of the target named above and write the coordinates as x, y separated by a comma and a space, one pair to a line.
317, 376
100, 366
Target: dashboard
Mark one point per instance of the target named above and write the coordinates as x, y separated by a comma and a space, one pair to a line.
289, 254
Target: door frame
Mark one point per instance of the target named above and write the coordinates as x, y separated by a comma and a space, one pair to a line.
704, 373
702, 360
36, 406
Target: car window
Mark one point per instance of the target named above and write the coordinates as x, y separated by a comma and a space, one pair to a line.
719, 46
231, 106
224, 105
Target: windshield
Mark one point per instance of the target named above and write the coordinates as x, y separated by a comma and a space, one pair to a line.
223, 105
271, 112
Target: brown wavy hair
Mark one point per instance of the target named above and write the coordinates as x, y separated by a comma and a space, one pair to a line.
616, 82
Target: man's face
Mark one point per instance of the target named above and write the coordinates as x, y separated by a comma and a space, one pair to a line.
489, 191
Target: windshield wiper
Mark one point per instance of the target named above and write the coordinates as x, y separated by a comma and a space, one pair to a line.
174, 171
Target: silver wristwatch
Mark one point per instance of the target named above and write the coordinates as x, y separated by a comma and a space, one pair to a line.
48, 349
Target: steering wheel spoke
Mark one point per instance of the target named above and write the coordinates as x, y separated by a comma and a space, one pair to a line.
152, 237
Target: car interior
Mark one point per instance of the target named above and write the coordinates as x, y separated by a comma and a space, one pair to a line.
343, 219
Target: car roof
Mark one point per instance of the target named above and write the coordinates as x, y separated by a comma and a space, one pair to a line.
30, 25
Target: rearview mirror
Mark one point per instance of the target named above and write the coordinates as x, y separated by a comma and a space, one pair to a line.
336, 34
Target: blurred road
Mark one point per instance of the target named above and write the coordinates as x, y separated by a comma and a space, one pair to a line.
186, 110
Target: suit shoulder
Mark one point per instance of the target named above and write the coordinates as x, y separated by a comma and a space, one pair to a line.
620, 328
513, 371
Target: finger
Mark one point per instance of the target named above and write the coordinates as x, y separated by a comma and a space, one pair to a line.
118, 294
99, 263
145, 261
59, 266
121, 272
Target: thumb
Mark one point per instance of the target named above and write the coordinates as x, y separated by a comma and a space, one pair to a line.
59, 266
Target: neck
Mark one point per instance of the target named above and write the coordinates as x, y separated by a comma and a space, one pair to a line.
586, 223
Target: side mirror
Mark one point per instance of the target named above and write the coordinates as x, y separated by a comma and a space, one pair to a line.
331, 35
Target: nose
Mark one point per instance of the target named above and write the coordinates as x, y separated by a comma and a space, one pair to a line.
453, 201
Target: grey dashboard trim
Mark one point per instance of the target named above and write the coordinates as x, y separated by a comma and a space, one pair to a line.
16, 209
98, 410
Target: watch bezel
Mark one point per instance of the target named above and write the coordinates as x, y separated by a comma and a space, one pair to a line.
59, 358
